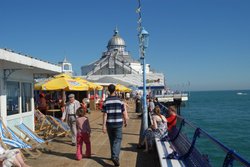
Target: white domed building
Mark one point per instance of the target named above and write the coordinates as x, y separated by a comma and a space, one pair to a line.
116, 65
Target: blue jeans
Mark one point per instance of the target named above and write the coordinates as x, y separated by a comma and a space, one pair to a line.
115, 139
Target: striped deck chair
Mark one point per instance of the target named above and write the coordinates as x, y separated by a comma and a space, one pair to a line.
32, 137
41, 123
10, 140
58, 127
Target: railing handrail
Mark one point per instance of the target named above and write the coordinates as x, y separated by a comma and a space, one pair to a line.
226, 149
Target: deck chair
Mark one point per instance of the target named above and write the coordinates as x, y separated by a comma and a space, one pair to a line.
58, 127
41, 123
31, 149
32, 137
9, 140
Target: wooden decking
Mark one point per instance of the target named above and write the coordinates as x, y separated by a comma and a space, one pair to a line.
63, 153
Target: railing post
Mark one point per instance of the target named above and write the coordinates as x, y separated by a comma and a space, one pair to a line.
228, 161
175, 155
196, 134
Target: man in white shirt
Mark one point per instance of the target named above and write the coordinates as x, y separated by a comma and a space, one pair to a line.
70, 115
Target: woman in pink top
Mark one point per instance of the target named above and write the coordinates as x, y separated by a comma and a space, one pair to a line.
83, 134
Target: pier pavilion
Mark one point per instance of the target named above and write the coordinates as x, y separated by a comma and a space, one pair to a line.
116, 65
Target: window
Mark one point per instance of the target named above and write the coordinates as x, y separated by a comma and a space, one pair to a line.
12, 97
16, 91
26, 96
66, 67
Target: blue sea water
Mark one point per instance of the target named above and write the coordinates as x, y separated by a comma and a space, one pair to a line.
225, 115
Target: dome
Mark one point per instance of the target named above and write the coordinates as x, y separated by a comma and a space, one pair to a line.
116, 40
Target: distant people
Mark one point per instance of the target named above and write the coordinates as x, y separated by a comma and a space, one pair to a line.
83, 134
126, 107
138, 106
127, 96
171, 117
61, 104
156, 101
70, 115
114, 116
13, 157
84, 106
147, 101
87, 102
157, 129
151, 106
42, 104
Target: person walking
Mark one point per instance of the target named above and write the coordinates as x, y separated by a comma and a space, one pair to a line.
114, 116
70, 115
138, 106
151, 106
83, 134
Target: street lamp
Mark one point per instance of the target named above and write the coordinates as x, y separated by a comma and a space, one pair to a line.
144, 38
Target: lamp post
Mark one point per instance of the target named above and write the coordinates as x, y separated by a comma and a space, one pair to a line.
143, 38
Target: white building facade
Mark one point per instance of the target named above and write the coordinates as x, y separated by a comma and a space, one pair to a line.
116, 60
17, 74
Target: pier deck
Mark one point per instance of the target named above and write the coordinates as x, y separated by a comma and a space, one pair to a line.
63, 154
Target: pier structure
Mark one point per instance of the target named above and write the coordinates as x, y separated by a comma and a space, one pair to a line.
176, 99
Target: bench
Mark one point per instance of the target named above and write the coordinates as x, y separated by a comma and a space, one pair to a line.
182, 145
163, 150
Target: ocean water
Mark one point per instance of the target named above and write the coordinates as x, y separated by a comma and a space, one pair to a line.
225, 115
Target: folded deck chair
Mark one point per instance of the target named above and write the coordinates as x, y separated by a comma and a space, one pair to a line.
32, 137
41, 123
10, 140
58, 127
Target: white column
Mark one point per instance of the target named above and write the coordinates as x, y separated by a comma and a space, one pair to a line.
32, 106
3, 101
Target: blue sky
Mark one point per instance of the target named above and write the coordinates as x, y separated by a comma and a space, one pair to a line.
206, 43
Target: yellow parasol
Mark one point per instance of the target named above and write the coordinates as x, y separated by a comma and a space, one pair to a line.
61, 82
122, 88
92, 85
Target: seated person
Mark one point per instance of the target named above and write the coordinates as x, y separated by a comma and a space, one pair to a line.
158, 129
42, 104
172, 117
9, 158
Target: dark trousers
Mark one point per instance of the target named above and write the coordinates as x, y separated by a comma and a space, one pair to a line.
115, 139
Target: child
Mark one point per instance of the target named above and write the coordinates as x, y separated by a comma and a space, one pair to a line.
83, 134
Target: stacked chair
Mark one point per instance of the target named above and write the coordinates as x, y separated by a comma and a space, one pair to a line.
41, 123
50, 126
57, 127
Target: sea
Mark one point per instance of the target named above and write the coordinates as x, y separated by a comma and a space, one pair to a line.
225, 115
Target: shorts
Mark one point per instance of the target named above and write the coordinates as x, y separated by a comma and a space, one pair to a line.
10, 156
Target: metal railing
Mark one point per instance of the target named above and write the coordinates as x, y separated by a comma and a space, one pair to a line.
231, 155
